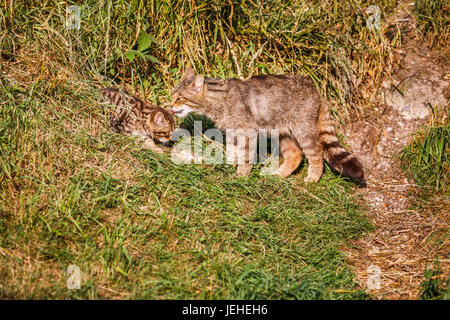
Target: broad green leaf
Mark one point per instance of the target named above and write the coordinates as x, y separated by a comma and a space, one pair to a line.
144, 42
152, 58
131, 54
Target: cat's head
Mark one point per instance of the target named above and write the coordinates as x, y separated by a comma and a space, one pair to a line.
189, 95
161, 124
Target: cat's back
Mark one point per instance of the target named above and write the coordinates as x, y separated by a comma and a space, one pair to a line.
122, 98
276, 96
131, 112
282, 83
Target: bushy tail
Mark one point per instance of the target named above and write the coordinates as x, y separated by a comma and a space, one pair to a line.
337, 157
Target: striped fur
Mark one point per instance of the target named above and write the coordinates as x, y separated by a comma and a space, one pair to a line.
138, 118
289, 104
337, 157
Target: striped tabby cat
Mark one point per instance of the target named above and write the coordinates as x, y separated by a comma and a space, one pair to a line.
291, 104
138, 118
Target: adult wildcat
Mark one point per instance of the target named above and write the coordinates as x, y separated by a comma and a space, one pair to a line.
291, 104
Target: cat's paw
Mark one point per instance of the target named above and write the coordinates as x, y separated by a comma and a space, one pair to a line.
242, 174
311, 179
243, 170
158, 150
149, 144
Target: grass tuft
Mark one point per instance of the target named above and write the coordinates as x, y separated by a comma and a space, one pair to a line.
426, 158
433, 20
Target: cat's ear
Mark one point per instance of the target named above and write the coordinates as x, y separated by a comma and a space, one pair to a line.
197, 84
159, 119
189, 73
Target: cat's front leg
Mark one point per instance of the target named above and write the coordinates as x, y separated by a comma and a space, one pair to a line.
147, 142
150, 144
246, 150
244, 169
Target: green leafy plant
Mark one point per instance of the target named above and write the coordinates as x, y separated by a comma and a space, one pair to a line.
142, 48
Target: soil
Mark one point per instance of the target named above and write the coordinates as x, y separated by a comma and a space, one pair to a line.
390, 263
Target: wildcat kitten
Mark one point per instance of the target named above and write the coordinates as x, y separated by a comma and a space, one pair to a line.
138, 118
289, 103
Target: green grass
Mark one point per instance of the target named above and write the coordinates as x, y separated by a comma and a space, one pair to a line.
433, 20
435, 286
136, 224
143, 227
328, 40
426, 158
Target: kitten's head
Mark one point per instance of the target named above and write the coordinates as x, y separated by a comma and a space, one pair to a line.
161, 124
189, 95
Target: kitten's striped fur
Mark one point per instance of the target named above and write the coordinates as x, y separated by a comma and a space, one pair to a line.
138, 118
289, 103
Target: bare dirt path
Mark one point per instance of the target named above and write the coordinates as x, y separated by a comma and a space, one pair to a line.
390, 262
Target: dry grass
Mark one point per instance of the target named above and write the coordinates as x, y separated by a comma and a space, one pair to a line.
136, 224
406, 242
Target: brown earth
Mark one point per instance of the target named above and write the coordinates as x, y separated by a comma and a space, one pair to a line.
390, 262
